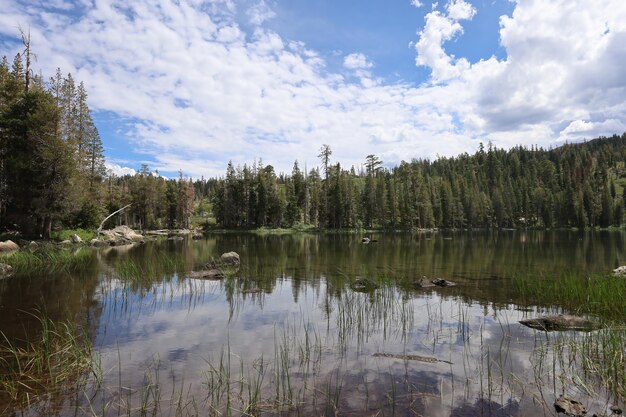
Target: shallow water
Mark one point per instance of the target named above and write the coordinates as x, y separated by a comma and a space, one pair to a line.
286, 334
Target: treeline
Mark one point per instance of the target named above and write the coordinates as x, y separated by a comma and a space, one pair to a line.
575, 185
52, 172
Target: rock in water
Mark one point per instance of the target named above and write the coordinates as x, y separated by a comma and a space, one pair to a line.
8, 245
363, 285
365, 240
561, 322
230, 258
423, 282
443, 283
569, 407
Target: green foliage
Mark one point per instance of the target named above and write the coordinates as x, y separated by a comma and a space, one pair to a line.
49, 260
572, 186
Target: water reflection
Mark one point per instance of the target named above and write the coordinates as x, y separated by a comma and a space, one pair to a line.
286, 335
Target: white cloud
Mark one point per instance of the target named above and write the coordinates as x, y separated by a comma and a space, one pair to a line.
119, 170
204, 91
357, 61
259, 13
416, 3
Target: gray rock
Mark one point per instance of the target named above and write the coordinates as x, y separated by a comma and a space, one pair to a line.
122, 232
5, 270
569, 407
365, 240
75, 238
230, 258
423, 282
620, 271
65, 242
561, 322
363, 285
8, 246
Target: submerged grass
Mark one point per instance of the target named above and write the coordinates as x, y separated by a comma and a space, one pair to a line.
50, 365
139, 271
602, 295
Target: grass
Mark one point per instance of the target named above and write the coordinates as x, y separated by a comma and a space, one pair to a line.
601, 294
49, 365
65, 234
49, 260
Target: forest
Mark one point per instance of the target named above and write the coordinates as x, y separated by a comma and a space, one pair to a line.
52, 176
575, 185
52, 171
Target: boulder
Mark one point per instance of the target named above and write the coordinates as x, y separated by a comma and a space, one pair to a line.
8, 245
561, 322
75, 238
122, 232
620, 271
5, 270
207, 274
423, 282
365, 240
569, 407
230, 258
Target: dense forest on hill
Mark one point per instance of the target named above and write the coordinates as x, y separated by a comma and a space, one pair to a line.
52, 175
575, 185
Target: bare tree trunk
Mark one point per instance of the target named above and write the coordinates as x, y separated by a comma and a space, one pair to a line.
109, 216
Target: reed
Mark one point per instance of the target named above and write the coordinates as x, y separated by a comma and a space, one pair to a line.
50, 260
57, 361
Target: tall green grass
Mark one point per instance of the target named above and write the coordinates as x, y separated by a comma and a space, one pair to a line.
49, 365
49, 260
601, 295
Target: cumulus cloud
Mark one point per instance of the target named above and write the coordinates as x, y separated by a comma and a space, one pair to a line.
202, 90
259, 13
357, 61
119, 170
416, 3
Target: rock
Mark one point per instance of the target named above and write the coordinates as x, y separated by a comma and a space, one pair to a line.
365, 240
75, 238
5, 270
569, 407
443, 283
561, 322
616, 410
65, 242
620, 271
122, 232
8, 245
423, 282
207, 274
33, 245
230, 258
363, 285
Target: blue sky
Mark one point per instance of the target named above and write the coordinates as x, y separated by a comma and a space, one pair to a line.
191, 84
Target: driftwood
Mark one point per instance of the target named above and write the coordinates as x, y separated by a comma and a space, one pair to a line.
109, 216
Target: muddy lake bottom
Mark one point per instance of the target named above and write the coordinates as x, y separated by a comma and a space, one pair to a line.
289, 334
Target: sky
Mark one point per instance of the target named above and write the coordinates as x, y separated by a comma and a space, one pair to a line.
192, 84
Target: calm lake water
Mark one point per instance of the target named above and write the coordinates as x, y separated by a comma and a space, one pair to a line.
287, 335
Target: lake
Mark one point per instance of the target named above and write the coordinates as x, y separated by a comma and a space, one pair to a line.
288, 333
